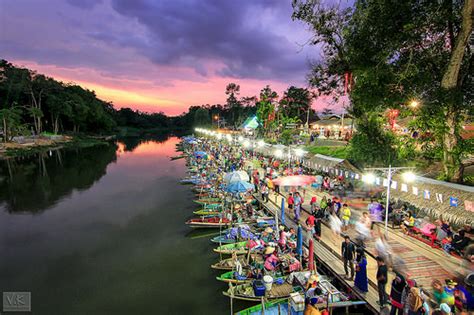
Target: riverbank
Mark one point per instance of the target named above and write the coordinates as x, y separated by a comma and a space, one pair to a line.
46, 143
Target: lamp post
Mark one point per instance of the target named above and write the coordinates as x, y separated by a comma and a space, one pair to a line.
389, 172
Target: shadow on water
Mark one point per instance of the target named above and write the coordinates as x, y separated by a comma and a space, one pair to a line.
35, 183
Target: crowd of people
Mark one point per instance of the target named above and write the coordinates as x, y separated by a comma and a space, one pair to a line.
404, 296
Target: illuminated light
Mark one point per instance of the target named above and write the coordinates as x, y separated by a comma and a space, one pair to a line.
261, 143
409, 177
219, 136
241, 138
300, 152
216, 117
229, 137
246, 143
414, 104
279, 153
368, 178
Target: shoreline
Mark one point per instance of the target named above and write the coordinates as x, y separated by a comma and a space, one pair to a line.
41, 144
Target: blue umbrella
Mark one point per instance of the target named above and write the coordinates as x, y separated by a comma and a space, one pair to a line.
283, 211
299, 241
200, 154
239, 187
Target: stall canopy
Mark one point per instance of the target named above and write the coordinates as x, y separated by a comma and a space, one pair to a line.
318, 161
251, 123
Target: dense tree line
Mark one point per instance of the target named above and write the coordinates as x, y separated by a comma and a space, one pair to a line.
386, 54
31, 103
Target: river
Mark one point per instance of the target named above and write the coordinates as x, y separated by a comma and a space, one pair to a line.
100, 230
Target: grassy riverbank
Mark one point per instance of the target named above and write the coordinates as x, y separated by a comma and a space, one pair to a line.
11, 149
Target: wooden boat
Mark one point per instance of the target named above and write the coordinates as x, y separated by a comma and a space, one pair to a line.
209, 200
245, 292
207, 213
230, 277
281, 306
209, 223
229, 263
223, 239
238, 248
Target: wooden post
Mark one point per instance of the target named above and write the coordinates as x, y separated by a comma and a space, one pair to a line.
263, 306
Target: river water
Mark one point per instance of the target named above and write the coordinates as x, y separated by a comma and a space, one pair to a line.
101, 230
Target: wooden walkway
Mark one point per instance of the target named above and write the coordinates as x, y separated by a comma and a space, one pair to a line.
423, 263
327, 255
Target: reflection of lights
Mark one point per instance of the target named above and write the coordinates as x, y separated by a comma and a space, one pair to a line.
246, 143
261, 143
241, 138
409, 176
279, 153
368, 178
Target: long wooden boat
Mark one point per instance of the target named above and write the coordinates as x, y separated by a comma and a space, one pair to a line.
207, 213
281, 306
209, 223
245, 292
229, 263
238, 248
230, 277
209, 200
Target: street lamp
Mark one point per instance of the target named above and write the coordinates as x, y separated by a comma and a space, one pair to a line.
414, 104
389, 172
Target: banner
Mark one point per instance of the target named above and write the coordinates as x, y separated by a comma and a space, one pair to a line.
453, 202
404, 188
439, 197
394, 185
415, 190
426, 194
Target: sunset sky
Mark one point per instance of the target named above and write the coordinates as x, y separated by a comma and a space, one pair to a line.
160, 55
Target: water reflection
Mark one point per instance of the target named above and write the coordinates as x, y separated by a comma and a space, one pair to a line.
131, 143
35, 183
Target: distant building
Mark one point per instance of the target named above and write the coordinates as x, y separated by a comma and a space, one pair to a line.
333, 127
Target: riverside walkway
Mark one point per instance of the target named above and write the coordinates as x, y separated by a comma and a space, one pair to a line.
422, 263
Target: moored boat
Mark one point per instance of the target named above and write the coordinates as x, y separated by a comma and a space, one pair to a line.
229, 249
209, 223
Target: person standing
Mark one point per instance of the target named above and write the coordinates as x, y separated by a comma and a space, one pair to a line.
398, 284
298, 201
347, 254
264, 191
382, 277
361, 281
346, 217
291, 201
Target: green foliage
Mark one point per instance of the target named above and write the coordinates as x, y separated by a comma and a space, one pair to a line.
397, 51
296, 102
372, 146
286, 136
201, 117
341, 152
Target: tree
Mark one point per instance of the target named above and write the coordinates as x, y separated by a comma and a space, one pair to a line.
201, 117
11, 122
296, 102
396, 51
